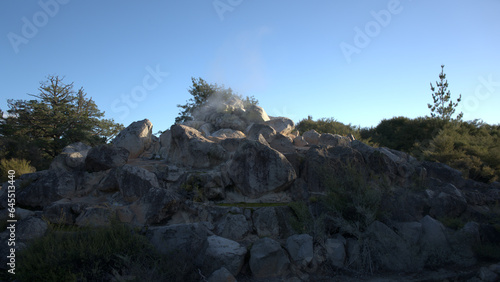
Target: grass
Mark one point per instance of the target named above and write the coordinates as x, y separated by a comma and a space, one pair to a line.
19, 166
99, 254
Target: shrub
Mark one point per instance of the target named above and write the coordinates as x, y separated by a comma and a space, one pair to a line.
19, 166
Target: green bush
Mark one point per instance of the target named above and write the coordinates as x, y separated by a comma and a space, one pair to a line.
19, 166
327, 125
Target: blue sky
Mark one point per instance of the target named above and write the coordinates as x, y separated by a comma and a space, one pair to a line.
356, 61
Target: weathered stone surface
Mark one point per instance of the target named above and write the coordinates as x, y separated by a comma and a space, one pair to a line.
63, 211
335, 251
135, 138
265, 221
300, 248
433, 243
189, 148
389, 250
221, 274
228, 133
410, 231
487, 275
257, 169
300, 141
72, 157
256, 129
134, 181
268, 259
157, 206
448, 201
327, 139
282, 125
95, 216
282, 144
221, 252
104, 157
30, 228
311, 136
44, 187
255, 114
233, 226
183, 238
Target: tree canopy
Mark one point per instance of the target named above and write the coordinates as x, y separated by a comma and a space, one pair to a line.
38, 129
201, 92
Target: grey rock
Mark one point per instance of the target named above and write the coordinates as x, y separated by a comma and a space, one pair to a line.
221, 252
282, 144
157, 206
268, 259
95, 217
104, 157
311, 137
255, 114
228, 133
30, 228
64, 211
222, 275
300, 248
487, 275
183, 238
136, 138
256, 129
233, 226
335, 251
265, 221
44, 187
300, 141
257, 169
282, 125
328, 139
134, 182
72, 157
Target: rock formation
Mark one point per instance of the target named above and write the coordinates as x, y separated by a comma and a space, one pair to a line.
187, 186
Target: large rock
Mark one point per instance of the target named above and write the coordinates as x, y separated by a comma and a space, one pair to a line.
282, 125
268, 259
157, 206
300, 248
328, 139
228, 133
134, 181
282, 144
30, 228
186, 238
72, 157
135, 138
335, 251
221, 274
221, 252
255, 114
256, 129
434, 245
233, 226
257, 169
265, 221
311, 137
447, 201
190, 148
39, 189
104, 157
64, 211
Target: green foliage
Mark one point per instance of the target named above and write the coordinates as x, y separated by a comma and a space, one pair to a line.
327, 125
112, 253
443, 108
201, 92
487, 251
19, 166
38, 129
302, 221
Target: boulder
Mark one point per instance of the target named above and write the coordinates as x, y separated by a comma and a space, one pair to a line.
433, 244
63, 211
447, 201
282, 125
44, 187
72, 157
30, 228
300, 141
135, 138
190, 148
265, 221
165, 141
256, 129
220, 252
221, 274
255, 114
311, 137
388, 250
206, 129
233, 226
268, 259
228, 133
336, 251
300, 248
104, 157
157, 206
95, 217
186, 238
134, 181
257, 169
328, 139
282, 144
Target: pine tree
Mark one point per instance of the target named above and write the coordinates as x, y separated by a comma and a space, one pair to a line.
443, 108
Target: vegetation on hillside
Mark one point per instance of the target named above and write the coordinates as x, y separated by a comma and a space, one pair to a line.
37, 130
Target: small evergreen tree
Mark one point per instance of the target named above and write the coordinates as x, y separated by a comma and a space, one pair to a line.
443, 108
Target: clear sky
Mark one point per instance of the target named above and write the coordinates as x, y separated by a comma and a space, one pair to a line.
356, 61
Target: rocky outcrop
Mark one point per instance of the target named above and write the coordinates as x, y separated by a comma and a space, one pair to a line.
268, 259
72, 157
136, 138
257, 169
220, 252
104, 157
